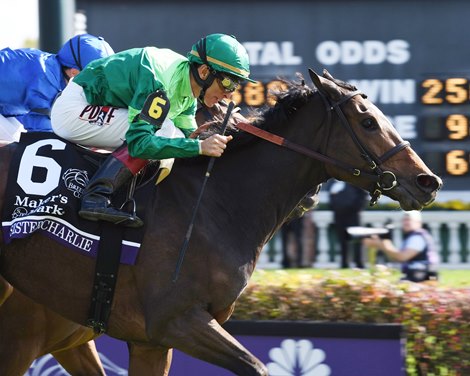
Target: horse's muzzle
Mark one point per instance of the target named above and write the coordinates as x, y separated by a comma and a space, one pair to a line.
428, 183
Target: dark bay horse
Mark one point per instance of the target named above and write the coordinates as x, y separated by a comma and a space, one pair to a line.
253, 188
36, 330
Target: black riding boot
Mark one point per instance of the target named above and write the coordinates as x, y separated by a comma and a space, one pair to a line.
96, 199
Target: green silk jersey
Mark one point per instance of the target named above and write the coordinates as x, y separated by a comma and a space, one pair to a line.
126, 79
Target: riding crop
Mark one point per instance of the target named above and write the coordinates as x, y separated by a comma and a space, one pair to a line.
207, 175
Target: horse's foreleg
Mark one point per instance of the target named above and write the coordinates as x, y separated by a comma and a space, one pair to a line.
15, 359
198, 334
146, 360
81, 360
224, 315
29, 330
18, 348
5, 290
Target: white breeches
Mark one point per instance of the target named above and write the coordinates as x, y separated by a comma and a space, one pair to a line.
10, 129
74, 119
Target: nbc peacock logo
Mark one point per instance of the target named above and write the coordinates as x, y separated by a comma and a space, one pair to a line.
297, 358
47, 366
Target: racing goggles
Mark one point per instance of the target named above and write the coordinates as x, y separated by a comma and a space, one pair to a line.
226, 83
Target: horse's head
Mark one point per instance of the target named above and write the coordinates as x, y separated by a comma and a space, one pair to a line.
369, 151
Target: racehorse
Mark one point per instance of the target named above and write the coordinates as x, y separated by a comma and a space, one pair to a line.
253, 188
38, 330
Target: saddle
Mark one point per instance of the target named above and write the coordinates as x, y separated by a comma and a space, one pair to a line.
46, 179
47, 176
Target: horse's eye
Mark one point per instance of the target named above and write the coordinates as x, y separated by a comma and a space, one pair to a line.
369, 124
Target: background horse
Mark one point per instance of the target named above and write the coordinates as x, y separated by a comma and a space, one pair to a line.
253, 188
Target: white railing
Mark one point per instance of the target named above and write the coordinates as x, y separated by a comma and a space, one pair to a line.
450, 229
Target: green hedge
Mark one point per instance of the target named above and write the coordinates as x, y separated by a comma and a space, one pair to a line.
437, 320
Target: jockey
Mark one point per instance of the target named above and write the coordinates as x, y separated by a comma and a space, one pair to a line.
146, 97
31, 79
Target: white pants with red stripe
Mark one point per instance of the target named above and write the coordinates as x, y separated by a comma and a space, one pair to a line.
74, 119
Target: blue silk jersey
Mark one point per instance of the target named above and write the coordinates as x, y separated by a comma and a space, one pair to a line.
30, 80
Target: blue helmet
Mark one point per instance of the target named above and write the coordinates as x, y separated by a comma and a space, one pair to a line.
82, 49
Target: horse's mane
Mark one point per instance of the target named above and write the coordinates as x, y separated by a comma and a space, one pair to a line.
287, 101
292, 97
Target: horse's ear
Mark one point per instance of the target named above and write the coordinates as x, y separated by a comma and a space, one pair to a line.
316, 80
327, 75
325, 85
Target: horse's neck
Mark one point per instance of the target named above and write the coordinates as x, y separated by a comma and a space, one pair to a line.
259, 186
250, 193
264, 193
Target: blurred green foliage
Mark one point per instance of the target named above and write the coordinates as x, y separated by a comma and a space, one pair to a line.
436, 317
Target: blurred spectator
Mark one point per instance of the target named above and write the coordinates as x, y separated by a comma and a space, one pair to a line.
298, 232
417, 253
347, 201
308, 240
292, 250
298, 242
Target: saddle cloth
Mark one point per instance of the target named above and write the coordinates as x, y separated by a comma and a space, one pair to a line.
46, 179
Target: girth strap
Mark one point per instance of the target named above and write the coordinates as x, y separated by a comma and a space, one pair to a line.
106, 272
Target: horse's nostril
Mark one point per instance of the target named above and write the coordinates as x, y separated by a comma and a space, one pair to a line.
428, 183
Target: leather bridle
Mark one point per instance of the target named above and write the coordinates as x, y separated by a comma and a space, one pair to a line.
385, 180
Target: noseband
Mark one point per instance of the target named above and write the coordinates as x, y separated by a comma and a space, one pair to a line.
385, 180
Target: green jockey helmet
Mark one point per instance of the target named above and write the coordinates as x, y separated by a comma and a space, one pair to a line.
222, 53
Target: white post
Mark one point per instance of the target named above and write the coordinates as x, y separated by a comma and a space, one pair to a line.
397, 233
323, 244
435, 232
454, 243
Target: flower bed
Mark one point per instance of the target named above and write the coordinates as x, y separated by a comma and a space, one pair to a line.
437, 320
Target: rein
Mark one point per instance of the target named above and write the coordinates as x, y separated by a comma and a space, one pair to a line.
281, 141
385, 180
